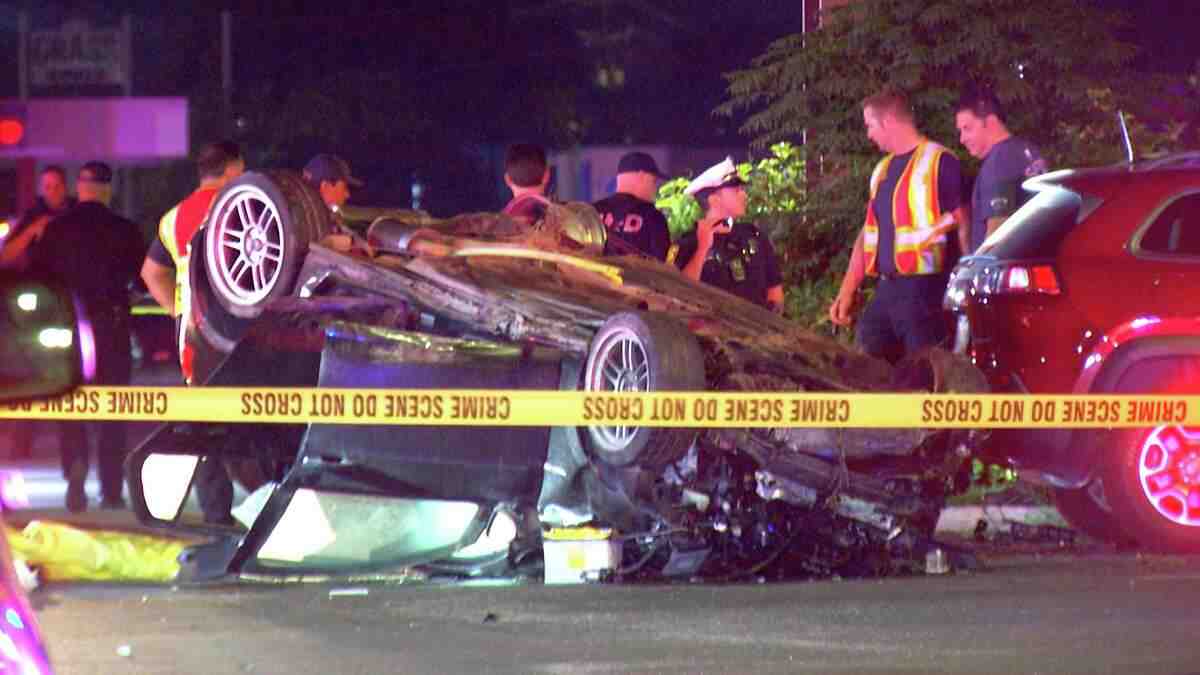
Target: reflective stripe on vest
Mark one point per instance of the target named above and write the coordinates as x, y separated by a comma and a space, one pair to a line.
915, 212
169, 238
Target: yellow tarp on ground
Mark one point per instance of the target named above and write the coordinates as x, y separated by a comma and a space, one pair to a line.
65, 553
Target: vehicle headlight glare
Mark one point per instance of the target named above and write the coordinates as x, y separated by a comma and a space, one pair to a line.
27, 301
55, 338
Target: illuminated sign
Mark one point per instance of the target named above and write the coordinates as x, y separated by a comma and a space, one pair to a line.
77, 55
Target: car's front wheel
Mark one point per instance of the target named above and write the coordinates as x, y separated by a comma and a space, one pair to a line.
641, 352
1153, 485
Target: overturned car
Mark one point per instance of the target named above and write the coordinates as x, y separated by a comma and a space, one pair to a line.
285, 293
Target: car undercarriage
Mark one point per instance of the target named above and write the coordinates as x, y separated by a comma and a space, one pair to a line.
412, 303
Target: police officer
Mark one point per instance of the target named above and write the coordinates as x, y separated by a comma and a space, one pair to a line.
737, 257
52, 201
96, 253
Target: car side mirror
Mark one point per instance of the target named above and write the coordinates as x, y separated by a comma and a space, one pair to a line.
45, 339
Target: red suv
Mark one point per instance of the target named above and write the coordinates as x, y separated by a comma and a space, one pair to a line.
1094, 287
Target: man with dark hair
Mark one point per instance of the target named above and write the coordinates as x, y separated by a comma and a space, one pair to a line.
912, 190
165, 269
527, 174
1007, 162
634, 225
331, 176
52, 201
734, 256
96, 253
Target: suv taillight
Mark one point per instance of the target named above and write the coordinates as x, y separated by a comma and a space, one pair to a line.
1029, 279
1020, 278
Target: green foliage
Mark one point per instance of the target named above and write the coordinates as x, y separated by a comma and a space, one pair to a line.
681, 210
775, 190
1056, 65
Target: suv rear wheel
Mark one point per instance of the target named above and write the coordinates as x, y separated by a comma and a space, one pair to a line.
1153, 481
1152, 476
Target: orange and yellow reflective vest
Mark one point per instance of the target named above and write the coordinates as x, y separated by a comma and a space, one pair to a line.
175, 231
915, 212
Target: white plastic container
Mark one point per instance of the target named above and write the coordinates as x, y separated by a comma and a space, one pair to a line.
579, 554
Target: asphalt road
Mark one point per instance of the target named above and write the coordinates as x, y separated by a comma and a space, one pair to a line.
1099, 612
1088, 610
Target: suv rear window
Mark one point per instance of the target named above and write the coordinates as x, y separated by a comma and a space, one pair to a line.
1037, 228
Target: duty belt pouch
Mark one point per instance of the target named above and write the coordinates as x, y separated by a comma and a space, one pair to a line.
737, 269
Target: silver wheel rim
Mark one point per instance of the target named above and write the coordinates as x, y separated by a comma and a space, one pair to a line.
1169, 474
247, 245
620, 365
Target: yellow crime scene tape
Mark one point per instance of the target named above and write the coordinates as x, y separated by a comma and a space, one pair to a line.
474, 407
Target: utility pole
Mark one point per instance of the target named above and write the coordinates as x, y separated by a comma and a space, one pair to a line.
811, 20
127, 187
227, 73
22, 56
26, 166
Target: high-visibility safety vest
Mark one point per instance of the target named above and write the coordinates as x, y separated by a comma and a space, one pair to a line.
915, 212
166, 234
175, 231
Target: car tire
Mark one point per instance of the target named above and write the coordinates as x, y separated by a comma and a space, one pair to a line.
638, 351
1152, 475
256, 236
1148, 492
1081, 511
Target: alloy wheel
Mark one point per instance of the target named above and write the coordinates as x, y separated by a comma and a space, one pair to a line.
1169, 473
248, 245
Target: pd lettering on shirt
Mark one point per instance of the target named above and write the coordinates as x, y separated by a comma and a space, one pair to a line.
630, 224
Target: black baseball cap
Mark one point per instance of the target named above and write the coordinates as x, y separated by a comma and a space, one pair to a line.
329, 169
638, 161
95, 172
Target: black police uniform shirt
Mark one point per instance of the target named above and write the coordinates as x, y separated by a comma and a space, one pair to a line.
634, 227
743, 262
949, 198
94, 252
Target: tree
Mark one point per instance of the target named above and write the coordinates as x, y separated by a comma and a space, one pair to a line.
1057, 65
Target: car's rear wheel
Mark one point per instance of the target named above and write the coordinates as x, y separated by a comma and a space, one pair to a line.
1153, 483
257, 234
637, 351
1152, 475
1080, 508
